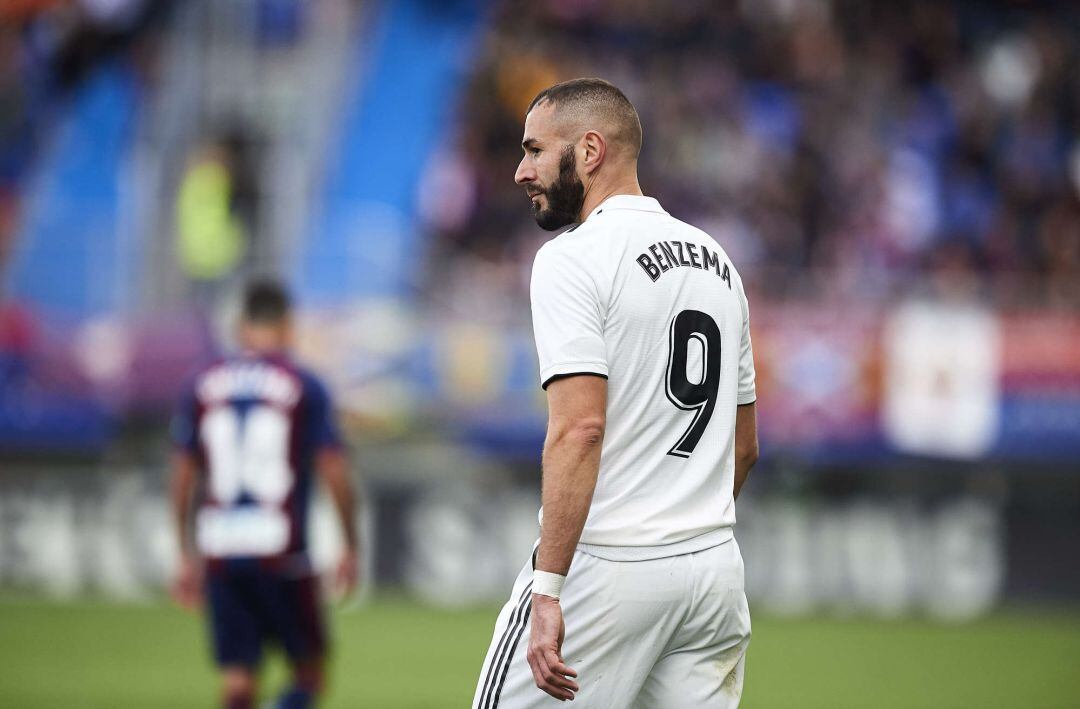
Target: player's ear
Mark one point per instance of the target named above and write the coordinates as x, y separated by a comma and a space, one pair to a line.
593, 148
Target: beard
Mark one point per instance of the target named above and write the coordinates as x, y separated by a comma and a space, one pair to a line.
565, 197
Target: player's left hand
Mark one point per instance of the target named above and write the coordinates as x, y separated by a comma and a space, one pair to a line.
545, 649
186, 587
347, 573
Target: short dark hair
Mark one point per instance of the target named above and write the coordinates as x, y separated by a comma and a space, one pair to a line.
597, 96
266, 300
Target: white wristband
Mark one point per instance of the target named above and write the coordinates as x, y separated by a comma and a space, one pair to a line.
547, 584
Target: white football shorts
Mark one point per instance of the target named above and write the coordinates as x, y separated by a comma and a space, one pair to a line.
667, 633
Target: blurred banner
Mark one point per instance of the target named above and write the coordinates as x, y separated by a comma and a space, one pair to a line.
72, 532
836, 384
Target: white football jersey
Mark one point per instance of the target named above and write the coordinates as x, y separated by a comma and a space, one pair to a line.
654, 305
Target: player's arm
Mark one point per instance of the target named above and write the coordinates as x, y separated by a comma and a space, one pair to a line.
577, 408
332, 466
184, 479
746, 443
746, 438
567, 310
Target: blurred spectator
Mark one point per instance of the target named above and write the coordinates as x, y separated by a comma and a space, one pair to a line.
853, 147
211, 238
280, 22
8, 220
99, 29
15, 122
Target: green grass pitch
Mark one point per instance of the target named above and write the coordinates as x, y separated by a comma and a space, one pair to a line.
397, 654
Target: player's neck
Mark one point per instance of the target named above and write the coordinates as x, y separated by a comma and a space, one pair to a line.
263, 349
263, 339
599, 193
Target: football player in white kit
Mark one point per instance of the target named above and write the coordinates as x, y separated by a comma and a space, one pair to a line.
642, 329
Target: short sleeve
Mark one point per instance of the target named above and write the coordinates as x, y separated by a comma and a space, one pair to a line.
747, 386
568, 317
320, 409
184, 427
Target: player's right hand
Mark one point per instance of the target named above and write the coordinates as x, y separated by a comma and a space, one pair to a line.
545, 649
187, 585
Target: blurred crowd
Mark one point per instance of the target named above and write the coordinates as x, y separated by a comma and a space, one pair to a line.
47, 47
837, 148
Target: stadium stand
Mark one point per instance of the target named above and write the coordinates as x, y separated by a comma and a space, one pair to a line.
845, 149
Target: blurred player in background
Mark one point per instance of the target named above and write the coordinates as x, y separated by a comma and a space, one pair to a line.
250, 435
642, 329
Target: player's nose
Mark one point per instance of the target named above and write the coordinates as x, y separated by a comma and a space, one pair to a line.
525, 173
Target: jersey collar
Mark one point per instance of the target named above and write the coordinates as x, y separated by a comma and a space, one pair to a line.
633, 202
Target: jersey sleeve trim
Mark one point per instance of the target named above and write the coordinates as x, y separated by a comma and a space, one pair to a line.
570, 369
746, 399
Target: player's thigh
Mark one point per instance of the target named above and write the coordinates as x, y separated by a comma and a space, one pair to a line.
693, 681
292, 614
705, 665
235, 628
615, 629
